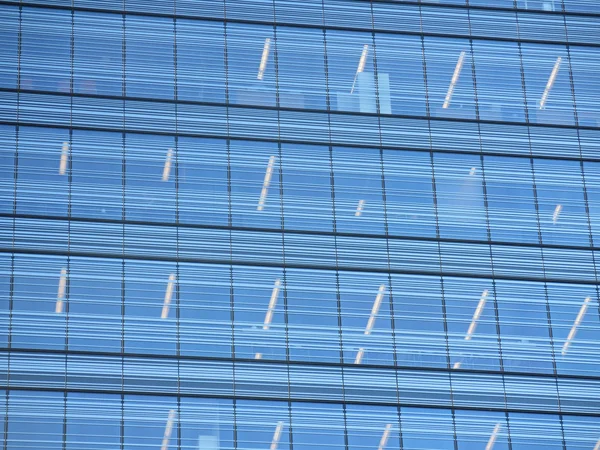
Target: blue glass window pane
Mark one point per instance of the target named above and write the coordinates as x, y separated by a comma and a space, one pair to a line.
301, 68
449, 78
149, 70
36, 418
150, 172
97, 175
151, 301
43, 171
93, 421
255, 184
510, 200
200, 61
202, 184
45, 62
145, 419
409, 193
9, 33
98, 54
460, 201
358, 190
204, 316
95, 305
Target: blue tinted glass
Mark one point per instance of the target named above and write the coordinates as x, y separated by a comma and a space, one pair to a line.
248, 224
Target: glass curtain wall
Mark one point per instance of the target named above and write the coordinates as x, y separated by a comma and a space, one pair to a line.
282, 224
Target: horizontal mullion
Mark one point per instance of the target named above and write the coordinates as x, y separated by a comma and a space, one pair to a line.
299, 399
328, 26
291, 362
234, 106
383, 267
291, 231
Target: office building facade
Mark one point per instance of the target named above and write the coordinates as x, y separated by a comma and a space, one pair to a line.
288, 225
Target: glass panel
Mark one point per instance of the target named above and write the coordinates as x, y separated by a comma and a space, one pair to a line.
409, 194
149, 69
6, 272
581, 433
524, 328
255, 188
148, 420
45, 62
545, 5
206, 424
260, 328
40, 302
459, 189
35, 420
419, 321
358, 194
98, 54
510, 200
549, 98
366, 319
200, 61
313, 319
580, 5
351, 72
369, 426
97, 175
563, 216
150, 169
9, 33
8, 143
251, 69
300, 68
259, 423
205, 315
307, 189
584, 64
478, 429
472, 332
318, 426
93, 421
400, 70
592, 188
95, 290
531, 430
427, 428
575, 326
449, 78
151, 303
499, 86
42, 171
201, 171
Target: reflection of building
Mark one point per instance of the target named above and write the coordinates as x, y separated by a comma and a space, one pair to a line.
299, 224
208, 443
367, 97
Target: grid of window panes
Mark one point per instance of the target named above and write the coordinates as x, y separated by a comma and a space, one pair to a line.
299, 224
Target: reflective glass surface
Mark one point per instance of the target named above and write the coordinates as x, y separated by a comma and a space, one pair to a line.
342, 224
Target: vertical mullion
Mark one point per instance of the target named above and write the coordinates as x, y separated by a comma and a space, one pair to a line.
14, 230
334, 227
177, 267
123, 218
584, 188
230, 225
282, 222
386, 225
581, 165
437, 225
489, 231
540, 236
69, 212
